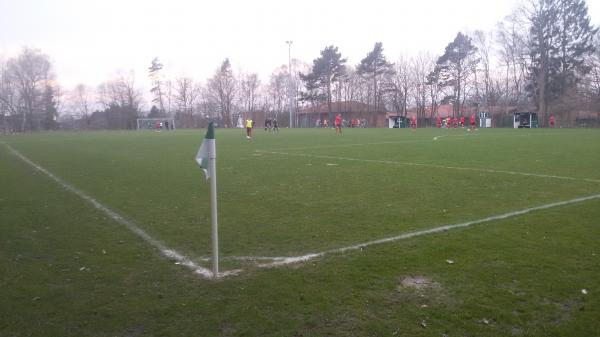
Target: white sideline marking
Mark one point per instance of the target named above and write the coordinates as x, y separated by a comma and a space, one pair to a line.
462, 136
430, 165
167, 252
279, 261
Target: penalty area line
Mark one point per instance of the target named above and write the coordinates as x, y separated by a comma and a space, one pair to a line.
280, 261
167, 252
316, 147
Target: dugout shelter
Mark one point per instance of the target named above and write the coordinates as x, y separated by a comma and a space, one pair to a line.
525, 120
398, 122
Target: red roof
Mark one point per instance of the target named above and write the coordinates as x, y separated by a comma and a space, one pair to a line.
339, 107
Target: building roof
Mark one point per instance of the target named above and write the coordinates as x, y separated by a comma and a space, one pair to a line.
443, 111
340, 107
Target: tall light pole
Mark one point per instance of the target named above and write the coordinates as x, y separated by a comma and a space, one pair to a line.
290, 91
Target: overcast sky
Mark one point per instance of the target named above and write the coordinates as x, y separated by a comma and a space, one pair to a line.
88, 41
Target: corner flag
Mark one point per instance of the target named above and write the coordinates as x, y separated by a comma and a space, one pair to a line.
207, 151
206, 158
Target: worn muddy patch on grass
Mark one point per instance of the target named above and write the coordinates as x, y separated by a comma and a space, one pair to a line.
417, 282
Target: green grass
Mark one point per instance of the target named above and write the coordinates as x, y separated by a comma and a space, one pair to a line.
69, 270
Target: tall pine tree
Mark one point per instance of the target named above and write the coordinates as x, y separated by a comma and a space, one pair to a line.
561, 39
328, 69
49, 109
156, 90
455, 67
575, 42
373, 66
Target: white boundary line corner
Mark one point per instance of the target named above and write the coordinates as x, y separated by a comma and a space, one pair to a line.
167, 252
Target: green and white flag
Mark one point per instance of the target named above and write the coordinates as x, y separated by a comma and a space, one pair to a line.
207, 151
207, 159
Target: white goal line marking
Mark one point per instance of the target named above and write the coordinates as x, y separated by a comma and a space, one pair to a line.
428, 165
169, 253
280, 261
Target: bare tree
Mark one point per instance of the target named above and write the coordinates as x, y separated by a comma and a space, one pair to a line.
434, 85
26, 79
277, 91
186, 96
398, 85
593, 78
248, 93
81, 101
511, 37
206, 107
9, 100
356, 87
484, 87
420, 67
222, 90
121, 101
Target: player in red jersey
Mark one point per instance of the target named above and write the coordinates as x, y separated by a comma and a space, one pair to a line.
338, 124
472, 122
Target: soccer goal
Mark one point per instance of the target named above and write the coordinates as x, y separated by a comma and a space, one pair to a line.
156, 124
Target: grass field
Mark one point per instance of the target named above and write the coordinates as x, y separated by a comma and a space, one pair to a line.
69, 269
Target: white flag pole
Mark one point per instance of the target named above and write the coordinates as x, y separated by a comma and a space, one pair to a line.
207, 159
212, 156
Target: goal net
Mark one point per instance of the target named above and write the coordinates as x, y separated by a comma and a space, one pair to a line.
156, 124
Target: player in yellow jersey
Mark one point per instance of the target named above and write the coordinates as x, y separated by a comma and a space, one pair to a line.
249, 125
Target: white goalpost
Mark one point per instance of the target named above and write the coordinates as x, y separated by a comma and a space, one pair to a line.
156, 124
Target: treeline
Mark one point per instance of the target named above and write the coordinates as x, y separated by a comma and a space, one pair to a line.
544, 57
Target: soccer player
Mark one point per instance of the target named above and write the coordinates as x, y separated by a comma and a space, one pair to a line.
438, 122
551, 121
268, 124
338, 124
413, 123
462, 121
249, 124
472, 122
